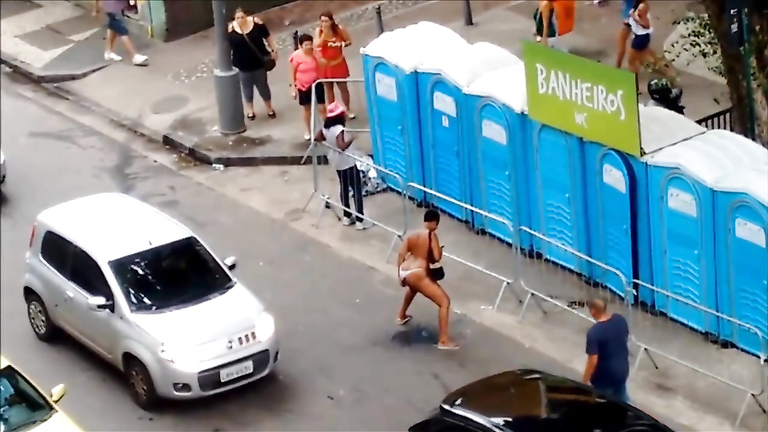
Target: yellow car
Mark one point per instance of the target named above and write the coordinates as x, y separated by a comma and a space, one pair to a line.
23, 407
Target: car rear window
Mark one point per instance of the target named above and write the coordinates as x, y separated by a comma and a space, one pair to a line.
168, 276
56, 251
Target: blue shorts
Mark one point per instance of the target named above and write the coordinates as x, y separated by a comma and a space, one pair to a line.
116, 23
641, 42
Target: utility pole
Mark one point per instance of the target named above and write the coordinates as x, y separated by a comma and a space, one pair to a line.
226, 77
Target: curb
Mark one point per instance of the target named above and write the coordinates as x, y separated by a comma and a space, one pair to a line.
32, 73
180, 143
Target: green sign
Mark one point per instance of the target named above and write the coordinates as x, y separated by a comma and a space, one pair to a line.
588, 99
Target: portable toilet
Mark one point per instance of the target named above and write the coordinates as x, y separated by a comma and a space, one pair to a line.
389, 64
496, 139
681, 206
557, 196
442, 77
617, 201
741, 224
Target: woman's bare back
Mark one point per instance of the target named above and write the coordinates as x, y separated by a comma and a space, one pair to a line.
417, 245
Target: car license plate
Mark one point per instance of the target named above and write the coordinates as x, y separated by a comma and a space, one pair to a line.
236, 371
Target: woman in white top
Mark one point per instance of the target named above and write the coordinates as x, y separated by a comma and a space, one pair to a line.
350, 178
640, 52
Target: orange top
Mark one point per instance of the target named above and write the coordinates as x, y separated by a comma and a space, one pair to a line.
565, 15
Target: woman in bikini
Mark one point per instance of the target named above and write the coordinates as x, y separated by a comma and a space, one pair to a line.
330, 41
420, 252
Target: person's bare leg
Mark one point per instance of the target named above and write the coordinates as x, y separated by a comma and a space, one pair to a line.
111, 38
330, 97
344, 92
622, 47
129, 45
435, 292
410, 294
307, 118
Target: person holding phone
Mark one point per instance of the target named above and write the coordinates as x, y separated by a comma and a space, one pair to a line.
419, 271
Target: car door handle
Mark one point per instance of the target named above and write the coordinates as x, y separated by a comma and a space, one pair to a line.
70, 294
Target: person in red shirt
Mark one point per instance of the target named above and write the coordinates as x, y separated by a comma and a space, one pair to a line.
304, 74
330, 41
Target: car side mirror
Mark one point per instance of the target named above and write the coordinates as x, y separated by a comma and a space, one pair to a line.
231, 263
99, 303
58, 392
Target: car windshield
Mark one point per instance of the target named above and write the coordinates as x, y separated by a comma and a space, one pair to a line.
21, 404
171, 275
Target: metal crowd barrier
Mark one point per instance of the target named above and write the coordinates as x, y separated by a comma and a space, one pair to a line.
752, 392
330, 204
313, 118
568, 302
505, 282
525, 278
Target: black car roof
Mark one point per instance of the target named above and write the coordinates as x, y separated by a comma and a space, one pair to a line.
526, 394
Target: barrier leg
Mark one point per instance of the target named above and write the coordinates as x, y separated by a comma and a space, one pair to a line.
391, 247
653, 361
643, 350
306, 153
501, 293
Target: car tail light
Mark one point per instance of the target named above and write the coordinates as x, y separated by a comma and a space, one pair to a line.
32, 236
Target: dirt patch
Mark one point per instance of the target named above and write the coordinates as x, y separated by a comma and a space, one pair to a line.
302, 13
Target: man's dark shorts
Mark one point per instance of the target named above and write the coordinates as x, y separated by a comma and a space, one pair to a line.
116, 23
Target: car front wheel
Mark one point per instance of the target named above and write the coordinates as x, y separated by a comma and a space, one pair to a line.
39, 319
141, 386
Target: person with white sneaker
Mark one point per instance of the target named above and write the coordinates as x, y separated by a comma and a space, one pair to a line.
116, 27
339, 143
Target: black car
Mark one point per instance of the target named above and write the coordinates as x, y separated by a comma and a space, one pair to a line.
528, 400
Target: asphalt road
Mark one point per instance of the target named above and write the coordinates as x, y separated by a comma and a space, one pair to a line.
345, 365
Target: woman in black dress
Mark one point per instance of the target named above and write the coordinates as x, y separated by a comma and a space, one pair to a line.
253, 54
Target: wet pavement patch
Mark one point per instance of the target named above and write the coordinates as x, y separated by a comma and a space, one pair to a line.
416, 334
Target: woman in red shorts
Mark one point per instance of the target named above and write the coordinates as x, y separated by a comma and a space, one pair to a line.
330, 41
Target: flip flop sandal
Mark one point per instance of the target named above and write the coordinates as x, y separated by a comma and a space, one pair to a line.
251, 117
404, 321
272, 114
447, 347
351, 116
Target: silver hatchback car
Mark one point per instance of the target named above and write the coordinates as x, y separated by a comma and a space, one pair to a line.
143, 292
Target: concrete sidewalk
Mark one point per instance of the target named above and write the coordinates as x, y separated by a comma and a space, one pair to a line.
173, 100
56, 41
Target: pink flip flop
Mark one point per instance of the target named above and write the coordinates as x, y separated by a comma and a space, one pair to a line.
404, 321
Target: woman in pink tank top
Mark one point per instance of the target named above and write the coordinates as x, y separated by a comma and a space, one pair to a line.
304, 74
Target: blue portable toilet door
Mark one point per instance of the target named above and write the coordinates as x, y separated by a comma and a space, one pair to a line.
685, 271
388, 109
495, 169
748, 277
615, 221
555, 156
445, 147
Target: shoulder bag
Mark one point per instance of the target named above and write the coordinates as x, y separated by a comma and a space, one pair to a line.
269, 62
435, 270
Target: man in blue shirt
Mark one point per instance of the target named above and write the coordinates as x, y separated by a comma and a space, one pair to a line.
607, 367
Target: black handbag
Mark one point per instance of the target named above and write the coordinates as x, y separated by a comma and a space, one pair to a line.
435, 270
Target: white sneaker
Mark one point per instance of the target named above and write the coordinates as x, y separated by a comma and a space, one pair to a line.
307, 136
140, 60
347, 221
109, 55
364, 225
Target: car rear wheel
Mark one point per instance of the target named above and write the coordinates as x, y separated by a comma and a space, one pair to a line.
39, 319
141, 386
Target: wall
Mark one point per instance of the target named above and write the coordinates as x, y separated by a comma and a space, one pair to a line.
184, 18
